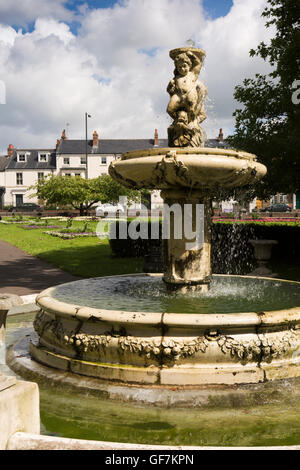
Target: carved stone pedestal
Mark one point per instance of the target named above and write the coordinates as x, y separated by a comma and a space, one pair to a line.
187, 243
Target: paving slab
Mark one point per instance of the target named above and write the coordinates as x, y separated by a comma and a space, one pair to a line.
23, 274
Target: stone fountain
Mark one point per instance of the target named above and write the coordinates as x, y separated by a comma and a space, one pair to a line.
187, 173
193, 329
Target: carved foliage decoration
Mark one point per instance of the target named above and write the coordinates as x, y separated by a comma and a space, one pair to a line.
261, 349
168, 348
84, 343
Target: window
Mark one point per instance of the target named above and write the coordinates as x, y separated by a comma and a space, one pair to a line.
40, 176
66, 161
19, 178
82, 160
282, 198
43, 157
22, 157
19, 200
68, 174
103, 160
78, 175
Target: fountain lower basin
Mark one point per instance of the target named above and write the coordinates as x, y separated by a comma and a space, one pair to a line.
163, 348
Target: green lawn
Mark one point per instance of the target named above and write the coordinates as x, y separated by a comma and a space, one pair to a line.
84, 257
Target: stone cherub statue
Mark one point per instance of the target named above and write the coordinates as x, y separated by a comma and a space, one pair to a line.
187, 96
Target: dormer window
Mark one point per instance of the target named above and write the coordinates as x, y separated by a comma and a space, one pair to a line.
43, 157
22, 157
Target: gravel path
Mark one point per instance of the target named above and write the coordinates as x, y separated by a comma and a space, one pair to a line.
23, 274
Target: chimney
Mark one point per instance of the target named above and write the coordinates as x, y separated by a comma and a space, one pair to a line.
57, 143
155, 138
221, 136
63, 135
10, 150
95, 139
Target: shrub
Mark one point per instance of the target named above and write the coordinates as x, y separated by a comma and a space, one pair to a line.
231, 250
132, 248
69, 222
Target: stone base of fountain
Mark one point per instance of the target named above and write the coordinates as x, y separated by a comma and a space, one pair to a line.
168, 349
180, 376
203, 396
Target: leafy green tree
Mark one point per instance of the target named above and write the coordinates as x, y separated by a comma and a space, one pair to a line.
82, 193
269, 122
111, 191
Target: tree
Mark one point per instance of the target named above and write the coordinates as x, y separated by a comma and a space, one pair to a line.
82, 193
268, 125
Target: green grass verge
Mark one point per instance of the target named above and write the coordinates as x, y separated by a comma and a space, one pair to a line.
84, 257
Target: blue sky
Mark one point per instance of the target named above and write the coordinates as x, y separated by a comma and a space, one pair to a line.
215, 8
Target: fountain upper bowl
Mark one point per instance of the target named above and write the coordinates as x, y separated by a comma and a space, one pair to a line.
187, 167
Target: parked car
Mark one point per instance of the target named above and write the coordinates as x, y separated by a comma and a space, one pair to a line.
26, 207
277, 208
107, 209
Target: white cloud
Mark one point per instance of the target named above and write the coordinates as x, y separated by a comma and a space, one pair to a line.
227, 41
47, 27
118, 68
7, 35
21, 13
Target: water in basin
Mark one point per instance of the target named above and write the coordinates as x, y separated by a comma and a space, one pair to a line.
228, 294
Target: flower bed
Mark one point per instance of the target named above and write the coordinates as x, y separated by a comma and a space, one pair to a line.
35, 226
68, 235
262, 221
10, 222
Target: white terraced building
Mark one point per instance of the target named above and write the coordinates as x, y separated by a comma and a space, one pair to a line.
21, 168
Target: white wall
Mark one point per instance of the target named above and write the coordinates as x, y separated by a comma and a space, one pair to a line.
12, 188
2, 178
75, 162
96, 167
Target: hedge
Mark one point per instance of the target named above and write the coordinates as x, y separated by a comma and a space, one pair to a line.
231, 251
133, 248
